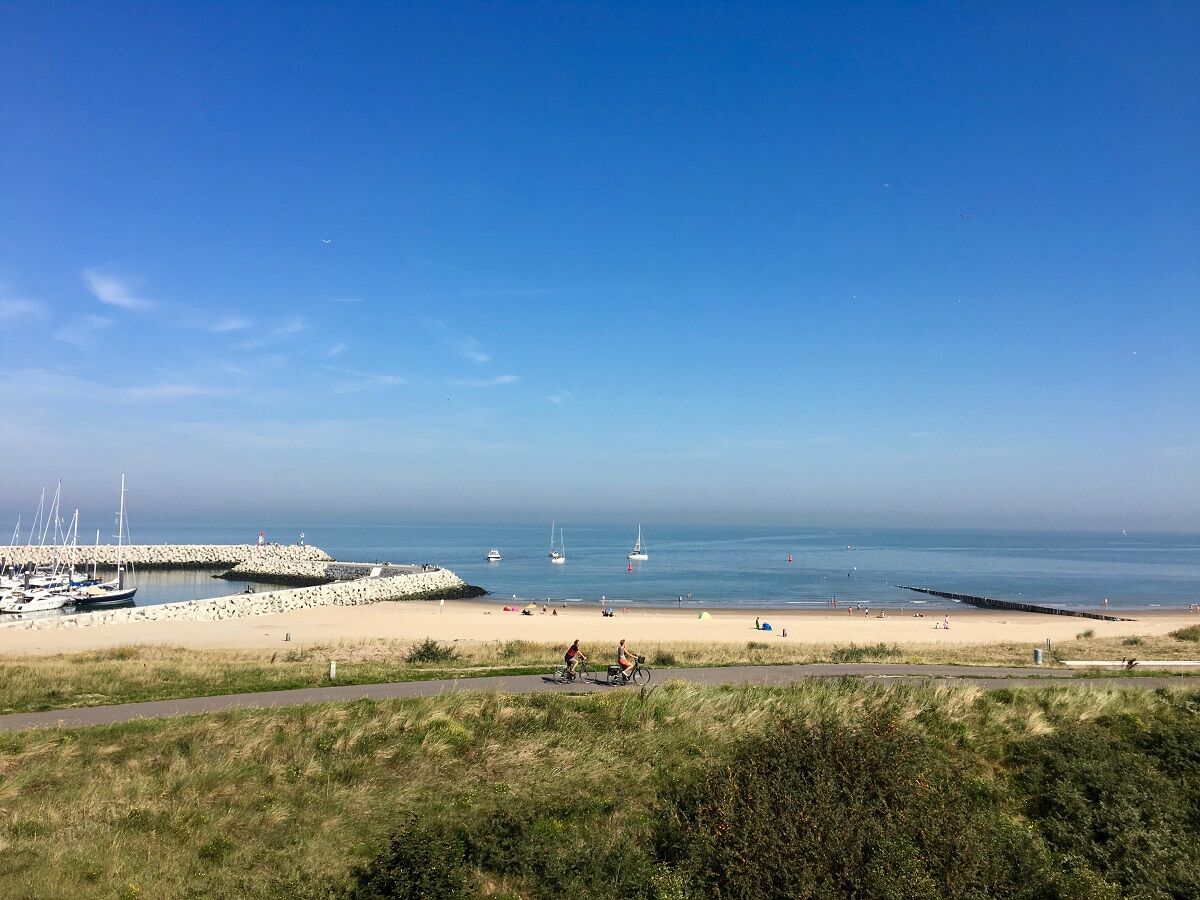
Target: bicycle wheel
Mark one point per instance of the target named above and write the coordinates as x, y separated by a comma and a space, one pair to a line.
640, 676
584, 673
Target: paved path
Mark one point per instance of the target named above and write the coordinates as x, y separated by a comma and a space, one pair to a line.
986, 677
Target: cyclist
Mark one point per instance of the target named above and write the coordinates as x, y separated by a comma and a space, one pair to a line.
625, 658
573, 656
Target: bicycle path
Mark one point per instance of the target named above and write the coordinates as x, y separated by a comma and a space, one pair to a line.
986, 677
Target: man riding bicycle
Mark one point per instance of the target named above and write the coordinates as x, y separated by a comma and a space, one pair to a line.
573, 657
625, 658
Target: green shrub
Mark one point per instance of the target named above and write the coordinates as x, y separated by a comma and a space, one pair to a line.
756, 645
1120, 800
420, 862
1134, 641
665, 658
430, 651
1086, 635
516, 648
854, 653
1191, 633
874, 809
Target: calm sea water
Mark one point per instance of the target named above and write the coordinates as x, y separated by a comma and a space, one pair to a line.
740, 566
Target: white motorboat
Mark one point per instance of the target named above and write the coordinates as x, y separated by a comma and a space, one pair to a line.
560, 555
639, 551
21, 601
493, 555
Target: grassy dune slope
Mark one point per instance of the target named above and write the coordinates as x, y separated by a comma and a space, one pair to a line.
283, 803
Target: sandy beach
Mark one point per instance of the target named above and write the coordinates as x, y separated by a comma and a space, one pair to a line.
476, 621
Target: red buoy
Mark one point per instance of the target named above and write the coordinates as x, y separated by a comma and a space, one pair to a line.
630, 566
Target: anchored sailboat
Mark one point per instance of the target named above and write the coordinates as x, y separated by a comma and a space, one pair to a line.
559, 555
639, 551
555, 556
113, 591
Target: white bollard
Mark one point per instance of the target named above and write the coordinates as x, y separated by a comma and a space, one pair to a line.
332, 669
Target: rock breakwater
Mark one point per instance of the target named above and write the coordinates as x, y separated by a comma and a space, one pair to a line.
172, 556
442, 582
304, 572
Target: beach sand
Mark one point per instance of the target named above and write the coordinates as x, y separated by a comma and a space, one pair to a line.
484, 621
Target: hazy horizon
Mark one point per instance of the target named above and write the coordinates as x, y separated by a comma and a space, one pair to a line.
930, 266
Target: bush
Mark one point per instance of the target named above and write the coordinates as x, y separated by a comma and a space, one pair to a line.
421, 862
1132, 642
665, 658
756, 645
1191, 633
1120, 800
430, 651
833, 810
516, 648
1086, 635
870, 652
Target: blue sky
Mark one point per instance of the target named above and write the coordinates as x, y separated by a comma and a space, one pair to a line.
783, 263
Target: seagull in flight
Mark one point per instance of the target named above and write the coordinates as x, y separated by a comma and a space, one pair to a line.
323, 241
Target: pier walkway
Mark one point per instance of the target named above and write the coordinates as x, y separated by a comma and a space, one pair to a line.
985, 677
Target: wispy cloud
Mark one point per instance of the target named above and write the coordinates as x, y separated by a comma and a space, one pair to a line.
82, 332
336, 350
352, 381
114, 291
15, 308
469, 348
289, 328
506, 293
460, 344
230, 323
559, 398
48, 385
167, 391
484, 382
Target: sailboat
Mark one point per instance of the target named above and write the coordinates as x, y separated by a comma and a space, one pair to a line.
560, 555
639, 552
555, 556
113, 591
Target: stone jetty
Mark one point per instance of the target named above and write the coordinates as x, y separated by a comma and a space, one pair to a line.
173, 556
414, 585
314, 571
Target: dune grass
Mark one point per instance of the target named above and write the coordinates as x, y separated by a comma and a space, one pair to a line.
283, 803
138, 673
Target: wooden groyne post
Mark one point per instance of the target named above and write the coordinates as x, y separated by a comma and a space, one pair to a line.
990, 603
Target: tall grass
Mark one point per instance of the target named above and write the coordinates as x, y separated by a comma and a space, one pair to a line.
155, 672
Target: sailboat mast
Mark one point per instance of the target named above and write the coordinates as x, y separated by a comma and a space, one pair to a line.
73, 532
37, 519
120, 536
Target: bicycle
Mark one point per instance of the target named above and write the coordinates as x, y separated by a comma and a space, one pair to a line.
582, 673
638, 675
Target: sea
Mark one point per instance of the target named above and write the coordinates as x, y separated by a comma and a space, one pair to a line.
739, 566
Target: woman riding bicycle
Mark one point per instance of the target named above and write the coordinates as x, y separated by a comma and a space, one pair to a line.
573, 657
625, 658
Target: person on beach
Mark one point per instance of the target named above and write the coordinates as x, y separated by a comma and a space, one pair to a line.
623, 657
573, 656
757, 627
946, 623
